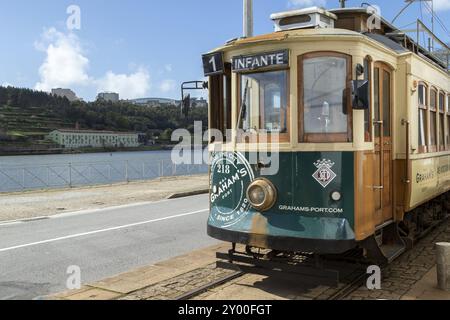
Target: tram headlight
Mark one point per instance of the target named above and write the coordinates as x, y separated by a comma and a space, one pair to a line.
262, 194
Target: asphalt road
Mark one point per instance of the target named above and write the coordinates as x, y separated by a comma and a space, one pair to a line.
35, 255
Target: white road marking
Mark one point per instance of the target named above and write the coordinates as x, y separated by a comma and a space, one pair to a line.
101, 231
91, 211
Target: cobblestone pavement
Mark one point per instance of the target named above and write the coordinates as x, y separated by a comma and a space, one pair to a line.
173, 288
401, 276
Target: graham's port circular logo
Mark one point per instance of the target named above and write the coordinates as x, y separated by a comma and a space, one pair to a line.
231, 174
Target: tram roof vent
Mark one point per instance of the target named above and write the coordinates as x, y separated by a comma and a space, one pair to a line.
308, 18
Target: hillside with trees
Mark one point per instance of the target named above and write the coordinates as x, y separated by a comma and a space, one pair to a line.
27, 116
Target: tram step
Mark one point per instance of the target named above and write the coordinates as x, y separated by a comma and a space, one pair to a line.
392, 252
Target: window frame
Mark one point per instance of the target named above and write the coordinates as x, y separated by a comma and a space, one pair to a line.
442, 120
433, 147
424, 107
221, 93
369, 74
346, 137
262, 137
447, 112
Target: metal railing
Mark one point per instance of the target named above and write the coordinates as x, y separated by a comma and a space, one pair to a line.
54, 176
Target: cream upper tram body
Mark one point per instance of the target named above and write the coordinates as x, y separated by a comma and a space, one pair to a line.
358, 116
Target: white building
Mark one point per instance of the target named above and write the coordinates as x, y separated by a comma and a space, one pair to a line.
73, 139
152, 102
199, 102
108, 96
65, 93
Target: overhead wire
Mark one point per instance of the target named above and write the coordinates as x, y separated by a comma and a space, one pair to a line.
438, 19
407, 25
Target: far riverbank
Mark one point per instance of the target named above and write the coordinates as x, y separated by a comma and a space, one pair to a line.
32, 152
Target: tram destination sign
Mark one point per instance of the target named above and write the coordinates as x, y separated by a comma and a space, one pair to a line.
271, 60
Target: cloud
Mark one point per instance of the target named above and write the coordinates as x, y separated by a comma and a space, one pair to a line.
65, 64
130, 86
441, 5
6, 84
167, 86
307, 3
168, 68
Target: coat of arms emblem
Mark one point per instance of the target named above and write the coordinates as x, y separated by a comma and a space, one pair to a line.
324, 174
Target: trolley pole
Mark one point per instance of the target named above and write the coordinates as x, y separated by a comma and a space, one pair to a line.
248, 18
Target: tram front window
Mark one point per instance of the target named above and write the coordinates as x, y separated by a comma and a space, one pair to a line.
324, 84
264, 102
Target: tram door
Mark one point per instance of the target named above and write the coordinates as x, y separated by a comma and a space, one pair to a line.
383, 144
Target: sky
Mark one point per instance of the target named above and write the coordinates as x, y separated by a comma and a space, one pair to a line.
139, 48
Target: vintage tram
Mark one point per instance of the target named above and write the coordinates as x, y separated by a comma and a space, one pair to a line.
355, 117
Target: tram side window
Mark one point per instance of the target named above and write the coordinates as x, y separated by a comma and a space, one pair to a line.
441, 121
448, 121
423, 102
220, 92
433, 120
264, 103
325, 100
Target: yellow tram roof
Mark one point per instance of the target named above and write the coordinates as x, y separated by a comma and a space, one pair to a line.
327, 34
381, 39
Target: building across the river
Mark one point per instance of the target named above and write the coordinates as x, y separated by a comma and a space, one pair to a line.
153, 102
73, 139
156, 102
65, 93
108, 96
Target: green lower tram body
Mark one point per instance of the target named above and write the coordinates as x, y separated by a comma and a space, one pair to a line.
305, 217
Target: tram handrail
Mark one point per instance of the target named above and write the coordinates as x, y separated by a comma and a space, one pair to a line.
407, 180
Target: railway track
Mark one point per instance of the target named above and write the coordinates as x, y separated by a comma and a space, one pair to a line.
212, 285
352, 277
350, 266
349, 288
338, 293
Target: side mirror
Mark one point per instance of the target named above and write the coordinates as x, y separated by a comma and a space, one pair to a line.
360, 95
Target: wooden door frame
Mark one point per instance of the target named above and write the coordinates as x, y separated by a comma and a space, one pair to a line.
385, 67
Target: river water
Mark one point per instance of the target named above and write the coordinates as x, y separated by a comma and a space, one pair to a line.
20, 173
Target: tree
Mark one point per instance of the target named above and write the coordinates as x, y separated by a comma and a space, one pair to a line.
3, 135
167, 135
50, 112
3, 96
